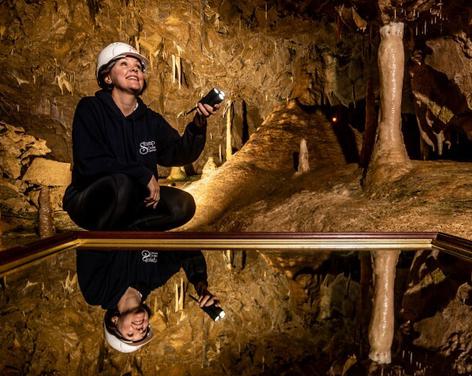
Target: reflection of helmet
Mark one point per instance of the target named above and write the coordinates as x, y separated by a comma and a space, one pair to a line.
124, 346
115, 51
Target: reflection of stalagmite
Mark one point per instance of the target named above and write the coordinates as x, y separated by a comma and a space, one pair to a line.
228, 256
390, 160
179, 295
303, 158
382, 322
46, 225
229, 123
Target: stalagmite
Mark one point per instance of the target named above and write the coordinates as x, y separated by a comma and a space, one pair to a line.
229, 123
209, 167
382, 321
303, 158
259, 165
46, 224
177, 174
389, 160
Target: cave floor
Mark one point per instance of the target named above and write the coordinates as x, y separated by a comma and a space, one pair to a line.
276, 320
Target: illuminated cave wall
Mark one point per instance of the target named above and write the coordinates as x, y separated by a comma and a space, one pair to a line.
260, 53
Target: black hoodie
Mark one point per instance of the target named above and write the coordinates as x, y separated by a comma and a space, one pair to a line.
107, 142
104, 276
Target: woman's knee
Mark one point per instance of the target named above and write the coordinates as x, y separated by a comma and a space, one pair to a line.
104, 203
188, 207
181, 204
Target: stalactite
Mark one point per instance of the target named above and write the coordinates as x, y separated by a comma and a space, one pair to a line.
94, 7
381, 328
177, 73
173, 68
178, 66
46, 224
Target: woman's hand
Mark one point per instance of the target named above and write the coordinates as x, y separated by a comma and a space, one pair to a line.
206, 110
206, 298
203, 112
154, 193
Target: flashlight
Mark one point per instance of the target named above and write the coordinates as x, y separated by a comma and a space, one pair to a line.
216, 313
213, 97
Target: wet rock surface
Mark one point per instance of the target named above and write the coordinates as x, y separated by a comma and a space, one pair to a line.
48, 328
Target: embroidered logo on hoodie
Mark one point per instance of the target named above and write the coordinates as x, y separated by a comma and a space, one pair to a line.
149, 256
147, 147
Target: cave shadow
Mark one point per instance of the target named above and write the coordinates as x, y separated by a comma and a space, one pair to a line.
345, 121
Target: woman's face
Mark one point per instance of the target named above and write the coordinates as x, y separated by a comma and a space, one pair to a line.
133, 325
127, 75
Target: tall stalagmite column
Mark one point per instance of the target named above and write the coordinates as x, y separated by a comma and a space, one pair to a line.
382, 323
389, 160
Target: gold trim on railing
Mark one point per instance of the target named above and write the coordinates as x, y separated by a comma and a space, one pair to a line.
22, 256
260, 244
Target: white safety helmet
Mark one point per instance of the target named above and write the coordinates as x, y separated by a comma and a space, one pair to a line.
115, 51
122, 345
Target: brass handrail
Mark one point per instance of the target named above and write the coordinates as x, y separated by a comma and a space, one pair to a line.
22, 256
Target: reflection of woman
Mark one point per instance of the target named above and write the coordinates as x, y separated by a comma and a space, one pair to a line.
117, 143
120, 281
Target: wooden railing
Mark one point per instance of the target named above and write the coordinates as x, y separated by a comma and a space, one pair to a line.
23, 256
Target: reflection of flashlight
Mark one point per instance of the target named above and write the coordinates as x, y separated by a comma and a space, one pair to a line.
334, 119
213, 97
215, 312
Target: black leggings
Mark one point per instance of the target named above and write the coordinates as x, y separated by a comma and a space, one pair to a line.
115, 202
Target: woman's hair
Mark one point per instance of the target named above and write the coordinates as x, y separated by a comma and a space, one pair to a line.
104, 71
110, 313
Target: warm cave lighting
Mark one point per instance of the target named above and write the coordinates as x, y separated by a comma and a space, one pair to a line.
334, 119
